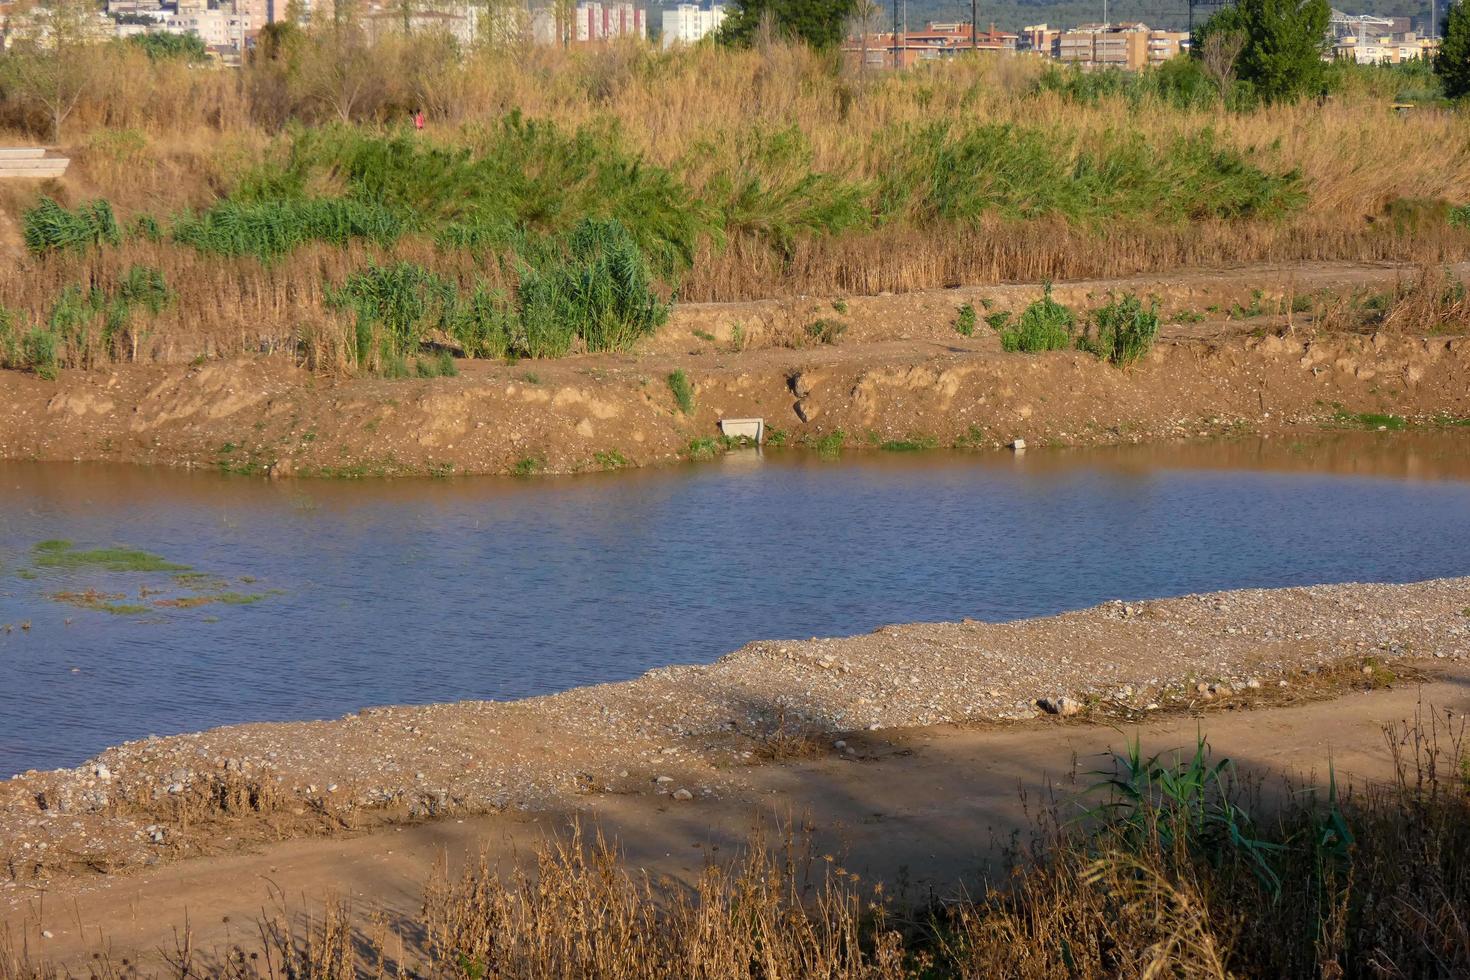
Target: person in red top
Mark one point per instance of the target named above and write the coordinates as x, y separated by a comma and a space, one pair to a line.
418, 120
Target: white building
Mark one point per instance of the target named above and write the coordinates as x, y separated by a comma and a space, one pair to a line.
689, 23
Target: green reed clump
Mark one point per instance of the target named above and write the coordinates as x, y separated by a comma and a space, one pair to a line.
592, 286
441, 365
266, 229
595, 284
683, 392
520, 178
943, 172
1122, 331
771, 189
1044, 325
49, 227
81, 315
394, 306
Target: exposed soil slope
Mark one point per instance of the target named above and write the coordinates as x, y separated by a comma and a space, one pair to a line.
899, 373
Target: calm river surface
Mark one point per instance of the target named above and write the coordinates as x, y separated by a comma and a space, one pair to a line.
419, 591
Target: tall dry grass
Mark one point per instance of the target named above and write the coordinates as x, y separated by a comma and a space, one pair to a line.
164, 138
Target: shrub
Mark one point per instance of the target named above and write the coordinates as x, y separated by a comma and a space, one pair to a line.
683, 392
49, 227
1460, 217
164, 46
1044, 325
1122, 331
826, 330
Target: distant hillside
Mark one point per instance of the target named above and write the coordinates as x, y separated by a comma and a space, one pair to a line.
1012, 15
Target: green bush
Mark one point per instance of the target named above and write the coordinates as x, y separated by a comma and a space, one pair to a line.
945, 173
164, 46
1122, 331
49, 227
1044, 325
1460, 217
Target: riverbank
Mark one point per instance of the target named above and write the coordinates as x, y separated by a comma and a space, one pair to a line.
899, 376
692, 734
923, 811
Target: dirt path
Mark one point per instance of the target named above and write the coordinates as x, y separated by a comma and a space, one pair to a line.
899, 374
922, 810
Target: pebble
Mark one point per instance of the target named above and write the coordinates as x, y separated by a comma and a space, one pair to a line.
683, 795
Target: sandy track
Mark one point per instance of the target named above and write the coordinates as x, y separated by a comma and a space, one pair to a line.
921, 810
694, 733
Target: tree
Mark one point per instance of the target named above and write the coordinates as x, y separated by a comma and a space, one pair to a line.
865, 15
1218, 56
1284, 44
55, 60
1452, 65
820, 23
161, 47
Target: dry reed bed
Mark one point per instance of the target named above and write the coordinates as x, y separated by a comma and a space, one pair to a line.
166, 138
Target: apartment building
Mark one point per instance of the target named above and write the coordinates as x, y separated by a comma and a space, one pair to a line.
689, 23
1122, 46
936, 42
1163, 45
1388, 49
218, 28
590, 22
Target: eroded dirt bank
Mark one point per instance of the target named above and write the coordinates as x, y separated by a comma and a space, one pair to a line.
899, 374
691, 733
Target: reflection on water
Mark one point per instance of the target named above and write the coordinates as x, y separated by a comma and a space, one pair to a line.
417, 591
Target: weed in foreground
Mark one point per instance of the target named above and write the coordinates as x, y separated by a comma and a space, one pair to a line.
1045, 325
1122, 331
1173, 866
964, 321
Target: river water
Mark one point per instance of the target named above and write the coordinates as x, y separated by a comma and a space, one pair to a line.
416, 591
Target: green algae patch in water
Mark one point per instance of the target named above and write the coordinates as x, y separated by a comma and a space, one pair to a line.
58, 553
100, 601
223, 598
